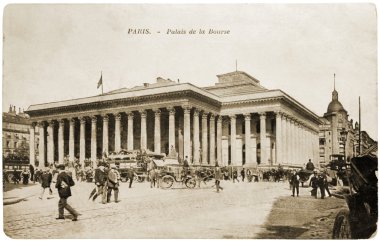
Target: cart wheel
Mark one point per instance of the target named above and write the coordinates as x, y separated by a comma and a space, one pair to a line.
342, 228
190, 183
166, 181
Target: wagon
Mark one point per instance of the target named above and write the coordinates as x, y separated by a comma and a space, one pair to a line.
359, 221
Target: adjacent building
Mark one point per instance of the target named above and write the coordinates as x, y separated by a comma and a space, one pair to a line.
235, 122
16, 135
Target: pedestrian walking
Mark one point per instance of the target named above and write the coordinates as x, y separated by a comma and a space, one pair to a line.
113, 179
235, 175
295, 182
16, 176
242, 174
314, 184
101, 183
249, 175
131, 176
327, 180
218, 177
321, 184
31, 170
64, 182
152, 173
25, 176
46, 179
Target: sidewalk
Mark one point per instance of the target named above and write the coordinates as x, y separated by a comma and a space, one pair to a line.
20, 192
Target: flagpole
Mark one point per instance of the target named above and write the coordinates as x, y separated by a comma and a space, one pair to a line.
101, 74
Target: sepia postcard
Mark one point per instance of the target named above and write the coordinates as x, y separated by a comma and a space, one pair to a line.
190, 121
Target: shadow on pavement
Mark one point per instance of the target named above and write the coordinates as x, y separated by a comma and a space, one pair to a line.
283, 232
11, 186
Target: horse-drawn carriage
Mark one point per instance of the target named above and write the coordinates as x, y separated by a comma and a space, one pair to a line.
359, 221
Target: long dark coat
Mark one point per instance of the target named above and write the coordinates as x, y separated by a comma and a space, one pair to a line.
64, 182
46, 178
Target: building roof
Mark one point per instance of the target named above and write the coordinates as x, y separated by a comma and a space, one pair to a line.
16, 118
335, 106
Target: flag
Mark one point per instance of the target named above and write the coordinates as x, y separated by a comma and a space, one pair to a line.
100, 82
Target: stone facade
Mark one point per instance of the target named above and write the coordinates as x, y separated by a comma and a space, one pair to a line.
16, 135
235, 122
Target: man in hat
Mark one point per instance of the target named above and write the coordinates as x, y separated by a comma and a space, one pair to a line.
113, 183
100, 182
64, 182
46, 179
314, 184
218, 177
295, 182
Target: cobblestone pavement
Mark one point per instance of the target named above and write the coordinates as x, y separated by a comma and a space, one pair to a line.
239, 211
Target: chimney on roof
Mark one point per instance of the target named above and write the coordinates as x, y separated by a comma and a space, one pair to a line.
10, 108
178, 80
146, 84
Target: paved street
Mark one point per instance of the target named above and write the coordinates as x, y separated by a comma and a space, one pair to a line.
241, 210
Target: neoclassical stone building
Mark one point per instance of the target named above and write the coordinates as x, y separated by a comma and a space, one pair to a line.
235, 122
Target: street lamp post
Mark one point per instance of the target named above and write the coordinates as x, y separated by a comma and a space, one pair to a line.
344, 134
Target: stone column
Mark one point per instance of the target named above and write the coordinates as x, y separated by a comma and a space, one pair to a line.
93, 140
82, 140
50, 154
204, 139
186, 133
263, 136
41, 146
233, 139
71, 140
157, 131
61, 154
32, 151
288, 140
105, 134
171, 129
143, 140
283, 140
196, 136
248, 155
219, 140
130, 131
117, 132
293, 141
212, 139
279, 154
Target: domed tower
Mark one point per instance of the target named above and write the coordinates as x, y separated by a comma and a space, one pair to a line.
338, 118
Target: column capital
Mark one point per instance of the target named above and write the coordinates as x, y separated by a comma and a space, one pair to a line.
247, 116
51, 122
72, 121
61, 122
232, 117
212, 116
186, 109
186, 106
171, 110
82, 120
263, 115
105, 118
117, 116
219, 119
279, 113
142, 113
130, 115
33, 124
157, 112
93, 119
204, 115
196, 112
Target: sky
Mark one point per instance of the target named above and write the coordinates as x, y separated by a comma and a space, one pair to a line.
57, 52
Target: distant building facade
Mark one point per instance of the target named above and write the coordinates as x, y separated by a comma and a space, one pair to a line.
331, 139
236, 122
16, 134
